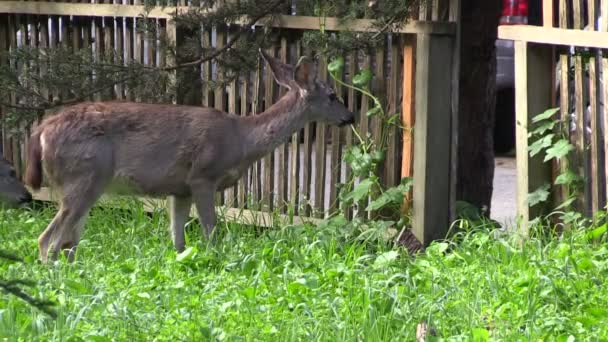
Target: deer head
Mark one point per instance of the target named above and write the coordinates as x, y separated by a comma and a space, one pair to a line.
318, 98
12, 192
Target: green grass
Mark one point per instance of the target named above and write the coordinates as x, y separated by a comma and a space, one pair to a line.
299, 283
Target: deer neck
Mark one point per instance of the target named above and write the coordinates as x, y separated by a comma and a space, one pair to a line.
274, 126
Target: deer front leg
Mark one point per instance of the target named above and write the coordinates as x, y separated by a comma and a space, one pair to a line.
179, 208
203, 197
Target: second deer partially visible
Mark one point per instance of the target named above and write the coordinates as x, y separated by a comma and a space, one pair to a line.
183, 152
12, 192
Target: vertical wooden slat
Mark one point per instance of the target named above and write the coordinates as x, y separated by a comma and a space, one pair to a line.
255, 109
391, 160
283, 175
408, 108
232, 104
563, 191
295, 161
138, 43
243, 182
44, 43
268, 160
307, 163
380, 92
320, 161
532, 96
604, 28
597, 197
579, 111
3, 97
151, 44
365, 101
426, 9
108, 49
219, 96
548, 13
119, 53
335, 166
352, 106
129, 50
206, 69
12, 42
440, 10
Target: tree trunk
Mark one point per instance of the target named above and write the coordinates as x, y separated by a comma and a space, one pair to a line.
477, 101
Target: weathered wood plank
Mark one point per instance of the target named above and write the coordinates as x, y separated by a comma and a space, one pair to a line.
548, 13
532, 96
294, 199
320, 153
554, 36
352, 106
432, 137
408, 117
268, 161
595, 187
392, 154
282, 152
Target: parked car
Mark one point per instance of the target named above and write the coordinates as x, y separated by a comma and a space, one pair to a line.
513, 12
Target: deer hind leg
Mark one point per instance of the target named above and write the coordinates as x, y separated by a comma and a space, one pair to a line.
203, 196
179, 208
64, 231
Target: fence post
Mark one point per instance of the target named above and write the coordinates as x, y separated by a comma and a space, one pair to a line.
532, 96
432, 137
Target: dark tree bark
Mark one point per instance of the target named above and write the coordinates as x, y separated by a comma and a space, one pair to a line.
477, 101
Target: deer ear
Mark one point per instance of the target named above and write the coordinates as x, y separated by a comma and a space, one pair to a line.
306, 73
282, 72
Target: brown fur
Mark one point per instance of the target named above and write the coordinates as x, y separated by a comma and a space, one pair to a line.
183, 152
33, 173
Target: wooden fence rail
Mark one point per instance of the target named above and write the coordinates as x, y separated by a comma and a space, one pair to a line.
301, 174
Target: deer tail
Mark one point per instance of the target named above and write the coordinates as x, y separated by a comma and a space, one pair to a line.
33, 173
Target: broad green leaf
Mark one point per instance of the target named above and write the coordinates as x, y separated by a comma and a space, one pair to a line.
406, 184
559, 150
392, 195
144, 295
361, 190
540, 195
437, 248
545, 115
563, 250
540, 144
565, 338
568, 177
336, 66
544, 127
362, 78
187, 254
385, 258
566, 203
373, 112
597, 232
480, 334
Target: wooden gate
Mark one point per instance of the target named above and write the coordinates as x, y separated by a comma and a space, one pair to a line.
563, 64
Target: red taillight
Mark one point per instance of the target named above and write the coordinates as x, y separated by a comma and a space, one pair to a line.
514, 12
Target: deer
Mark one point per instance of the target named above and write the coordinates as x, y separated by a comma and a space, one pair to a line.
13, 193
183, 153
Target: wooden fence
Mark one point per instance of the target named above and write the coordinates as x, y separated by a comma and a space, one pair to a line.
415, 72
563, 64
